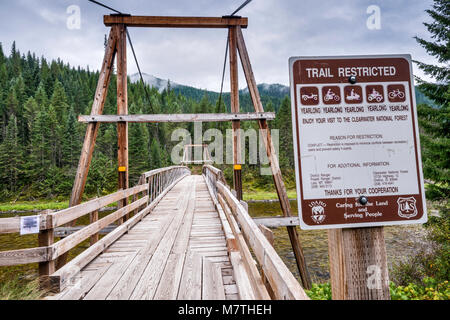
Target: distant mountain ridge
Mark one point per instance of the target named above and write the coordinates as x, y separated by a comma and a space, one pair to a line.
269, 92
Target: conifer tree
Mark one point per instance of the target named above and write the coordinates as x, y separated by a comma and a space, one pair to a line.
284, 125
435, 123
11, 157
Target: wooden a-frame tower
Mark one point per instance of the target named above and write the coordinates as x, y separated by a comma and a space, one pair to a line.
116, 49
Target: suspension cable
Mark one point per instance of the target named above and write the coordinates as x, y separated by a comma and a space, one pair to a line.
241, 7
223, 73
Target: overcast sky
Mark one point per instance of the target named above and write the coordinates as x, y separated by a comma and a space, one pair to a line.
278, 29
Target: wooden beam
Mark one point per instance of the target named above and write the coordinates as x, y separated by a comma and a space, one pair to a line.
175, 22
24, 256
179, 117
236, 125
12, 225
358, 264
70, 214
273, 160
74, 239
46, 238
276, 222
122, 109
92, 129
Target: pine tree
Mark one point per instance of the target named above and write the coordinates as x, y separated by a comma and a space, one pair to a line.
155, 155
70, 144
59, 101
2, 55
283, 123
435, 123
11, 157
40, 150
439, 48
41, 96
138, 148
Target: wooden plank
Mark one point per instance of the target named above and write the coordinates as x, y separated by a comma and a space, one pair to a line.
81, 287
71, 241
191, 281
12, 225
148, 283
67, 231
67, 215
240, 275
175, 22
129, 280
195, 117
62, 276
212, 284
24, 256
282, 281
276, 222
106, 283
171, 277
273, 160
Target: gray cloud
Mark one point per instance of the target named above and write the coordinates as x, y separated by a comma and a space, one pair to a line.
277, 30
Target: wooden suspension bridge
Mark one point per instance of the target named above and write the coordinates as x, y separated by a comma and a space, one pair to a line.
174, 235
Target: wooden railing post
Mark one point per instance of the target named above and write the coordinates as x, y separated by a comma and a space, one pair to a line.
46, 238
93, 217
270, 237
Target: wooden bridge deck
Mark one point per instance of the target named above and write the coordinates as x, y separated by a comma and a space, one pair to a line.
177, 252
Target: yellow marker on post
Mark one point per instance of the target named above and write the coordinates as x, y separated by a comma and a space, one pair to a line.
237, 167
122, 169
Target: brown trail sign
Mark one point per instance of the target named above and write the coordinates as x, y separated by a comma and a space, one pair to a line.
358, 161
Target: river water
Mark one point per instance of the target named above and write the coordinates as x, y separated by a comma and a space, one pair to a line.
401, 241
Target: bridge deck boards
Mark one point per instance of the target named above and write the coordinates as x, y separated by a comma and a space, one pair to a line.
177, 252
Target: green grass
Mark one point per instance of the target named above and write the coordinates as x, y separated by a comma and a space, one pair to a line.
266, 195
34, 205
16, 289
38, 205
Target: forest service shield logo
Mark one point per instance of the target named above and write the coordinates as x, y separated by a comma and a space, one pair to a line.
318, 211
407, 207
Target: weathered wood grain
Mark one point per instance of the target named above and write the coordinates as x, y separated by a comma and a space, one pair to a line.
175, 22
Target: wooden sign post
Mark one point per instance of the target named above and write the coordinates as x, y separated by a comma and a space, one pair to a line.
358, 163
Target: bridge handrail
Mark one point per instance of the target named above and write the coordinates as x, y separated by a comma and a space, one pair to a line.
212, 176
281, 281
158, 182
159, 179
